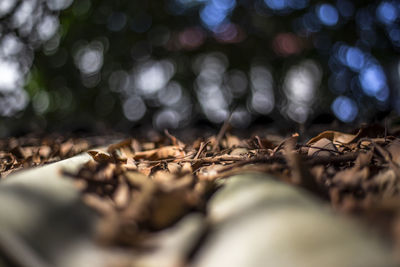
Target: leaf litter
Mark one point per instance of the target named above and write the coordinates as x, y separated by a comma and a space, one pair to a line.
141, 187
31, 151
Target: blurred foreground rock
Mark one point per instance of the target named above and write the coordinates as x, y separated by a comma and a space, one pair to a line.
257, 221
43, 221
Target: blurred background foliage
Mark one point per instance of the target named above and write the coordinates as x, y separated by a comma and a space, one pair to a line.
100, 64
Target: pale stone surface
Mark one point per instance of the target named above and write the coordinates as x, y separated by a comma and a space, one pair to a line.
43, 221
258, 221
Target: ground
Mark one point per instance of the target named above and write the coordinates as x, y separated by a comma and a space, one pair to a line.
144, 187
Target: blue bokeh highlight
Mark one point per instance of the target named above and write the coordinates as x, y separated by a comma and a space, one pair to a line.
387, 12
345, 109
327, 14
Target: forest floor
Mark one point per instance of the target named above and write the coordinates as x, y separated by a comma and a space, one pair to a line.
143, 186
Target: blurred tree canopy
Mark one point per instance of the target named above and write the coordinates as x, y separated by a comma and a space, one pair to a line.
97, 63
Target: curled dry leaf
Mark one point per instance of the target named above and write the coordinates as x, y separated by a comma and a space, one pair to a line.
100, 157
335, 137
323, 147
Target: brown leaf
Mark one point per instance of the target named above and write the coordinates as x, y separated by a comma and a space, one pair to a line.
65, 148
160, 153
335, 137
100, 156
323, 147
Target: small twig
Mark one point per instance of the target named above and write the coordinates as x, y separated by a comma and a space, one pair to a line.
175, 141
386, 129
216, 159
222, 132
260, 145
322, 160
203, 145
165, 160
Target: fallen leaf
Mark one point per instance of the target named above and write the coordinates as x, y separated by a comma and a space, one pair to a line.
335, 137
323, 147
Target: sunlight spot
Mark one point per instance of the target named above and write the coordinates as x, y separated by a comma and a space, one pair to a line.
13, 101
386, 12
355, 58
298, 113
344, 109
212, 16
328, 14
152, 76
241, 118
134, 108
11, 45
300, 85
262, 102
372, 79
11, 76
301, 82
262, 98
23, 13
6, 6
58, 4
89, 59
167, 119
171, 94
47, 27
276, 4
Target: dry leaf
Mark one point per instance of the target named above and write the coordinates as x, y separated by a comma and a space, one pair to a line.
323, 147
335, 137
100, 156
